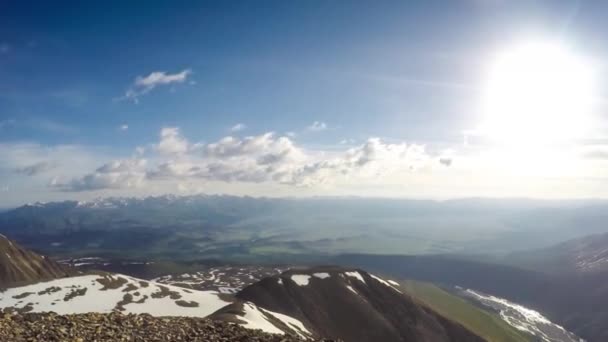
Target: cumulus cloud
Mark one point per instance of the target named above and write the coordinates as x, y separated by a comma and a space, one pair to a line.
144, 84
36, 168
172, 142
372, 159
264, 158
117, 174
238, 127
250, 159
317, 126
123, 127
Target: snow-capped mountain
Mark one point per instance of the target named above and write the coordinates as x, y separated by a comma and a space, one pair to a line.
342, 303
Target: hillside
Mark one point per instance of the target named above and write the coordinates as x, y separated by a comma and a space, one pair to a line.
587, 255
349, 304
485, 323
18, 265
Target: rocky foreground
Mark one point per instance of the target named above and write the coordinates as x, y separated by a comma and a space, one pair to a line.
50, 327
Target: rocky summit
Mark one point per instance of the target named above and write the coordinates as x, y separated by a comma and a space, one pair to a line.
51, 327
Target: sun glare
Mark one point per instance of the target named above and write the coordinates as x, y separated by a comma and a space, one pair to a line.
537, 93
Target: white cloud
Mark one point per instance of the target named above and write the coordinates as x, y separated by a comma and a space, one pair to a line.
264, 158
124, 127
171, 142
144, 84
317, 126
36, 168
238, 127
117, 174
372, 159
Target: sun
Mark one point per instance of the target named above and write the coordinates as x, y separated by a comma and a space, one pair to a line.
537, 93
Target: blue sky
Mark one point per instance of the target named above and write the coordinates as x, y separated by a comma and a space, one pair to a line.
403, 74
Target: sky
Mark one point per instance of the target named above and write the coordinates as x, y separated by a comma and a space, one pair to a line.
303, 98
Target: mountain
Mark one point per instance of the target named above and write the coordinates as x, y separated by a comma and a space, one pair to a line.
18, 265
327, 302
585, 255
489, 324
576, 302
348, 304
263, 229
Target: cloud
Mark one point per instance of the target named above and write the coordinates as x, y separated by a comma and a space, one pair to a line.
250, 159
265, 158
117, 174
123, 127
317, 126
144, 84
171, 142
372, 159
36, 168
445, 161
238, 127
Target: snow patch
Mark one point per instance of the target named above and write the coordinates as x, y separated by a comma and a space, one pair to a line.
350, 288
356, 275
291, 322
385, 283
255, 319
300, 279
97, 300
322, 275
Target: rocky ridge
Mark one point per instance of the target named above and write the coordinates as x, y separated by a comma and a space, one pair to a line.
51, 327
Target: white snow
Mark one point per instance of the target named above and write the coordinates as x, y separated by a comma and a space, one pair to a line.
392, 282
255, 319
356, 275
321, 275
300, 279
385, 283
280, 281
291, 322
522, 318
351, 289
97, 300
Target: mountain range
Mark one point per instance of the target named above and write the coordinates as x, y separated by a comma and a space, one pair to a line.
168, 240
340, 303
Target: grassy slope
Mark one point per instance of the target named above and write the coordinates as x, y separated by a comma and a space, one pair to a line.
484, 323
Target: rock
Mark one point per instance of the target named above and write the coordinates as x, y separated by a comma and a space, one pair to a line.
132, 328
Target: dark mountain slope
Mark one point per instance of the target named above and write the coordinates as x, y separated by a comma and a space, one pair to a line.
576, 301
588, 254
18, 265
349, 304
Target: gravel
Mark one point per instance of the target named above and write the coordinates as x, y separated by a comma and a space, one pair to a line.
97, 327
